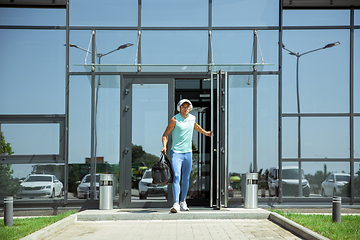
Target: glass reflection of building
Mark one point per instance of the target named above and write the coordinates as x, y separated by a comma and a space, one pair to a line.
63, 111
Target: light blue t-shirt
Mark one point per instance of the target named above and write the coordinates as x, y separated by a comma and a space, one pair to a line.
182, 133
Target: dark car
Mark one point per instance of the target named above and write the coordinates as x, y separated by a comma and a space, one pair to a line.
290, 180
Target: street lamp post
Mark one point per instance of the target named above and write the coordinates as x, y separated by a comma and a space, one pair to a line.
94, 112
298, 55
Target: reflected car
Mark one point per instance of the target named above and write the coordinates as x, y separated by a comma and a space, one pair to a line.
290, 179
41, 185
83, 190
147, 188
334, 183
230, 191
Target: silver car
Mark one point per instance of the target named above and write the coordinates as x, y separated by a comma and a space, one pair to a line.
334, 183
41, 185
83, 190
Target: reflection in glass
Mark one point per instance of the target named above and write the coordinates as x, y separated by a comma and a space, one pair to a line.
323, 88
108, 13
316, 17
39, 181
175, 13
174, 47
39, 87
245, 13
327, 179
325, 137
356, 69
290, 181
29, 139
149, 119
41, 185
25, 16
148, 189
83, 189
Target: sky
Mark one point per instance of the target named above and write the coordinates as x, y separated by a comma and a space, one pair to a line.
32, 77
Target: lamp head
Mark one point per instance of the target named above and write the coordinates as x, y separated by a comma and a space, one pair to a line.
124, 46
331, 45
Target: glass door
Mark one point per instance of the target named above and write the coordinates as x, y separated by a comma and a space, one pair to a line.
147, 104
220, 157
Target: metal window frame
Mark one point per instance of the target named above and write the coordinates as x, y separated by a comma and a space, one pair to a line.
36, 158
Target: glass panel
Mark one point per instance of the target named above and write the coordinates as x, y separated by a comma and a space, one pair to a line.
316, 17
323, 75
106, 41
38, 182
357, 71
175, 13
79, 119
319, 174
108, 13
357, 137
245, 13
237, 47
325, 137
187, 84
25, 16
29, 139
240, 129
267, 129
107, 121
199, 182
290, 179
267, 126
174, 47
357, 17
290, 137
357, 179
38, 88
107, 137
80, 178
149, 119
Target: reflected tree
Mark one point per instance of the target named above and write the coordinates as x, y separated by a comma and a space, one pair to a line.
8, 185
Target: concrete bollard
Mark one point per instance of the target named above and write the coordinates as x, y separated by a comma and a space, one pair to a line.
336, 209
8, 211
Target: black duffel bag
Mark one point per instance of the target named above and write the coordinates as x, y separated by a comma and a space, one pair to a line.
162, 172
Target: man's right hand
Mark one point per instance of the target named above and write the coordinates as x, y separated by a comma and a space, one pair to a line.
163, 151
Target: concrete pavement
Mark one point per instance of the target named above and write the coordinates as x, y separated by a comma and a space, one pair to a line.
228, 223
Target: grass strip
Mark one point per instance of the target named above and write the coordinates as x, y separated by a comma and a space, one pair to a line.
25, 226
349, 228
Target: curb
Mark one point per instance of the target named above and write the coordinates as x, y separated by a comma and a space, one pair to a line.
52, 229
295, 228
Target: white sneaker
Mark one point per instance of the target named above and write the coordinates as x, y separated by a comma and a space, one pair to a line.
175, 208
183, 206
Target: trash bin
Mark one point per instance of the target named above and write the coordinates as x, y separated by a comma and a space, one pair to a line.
106, 192
251, 192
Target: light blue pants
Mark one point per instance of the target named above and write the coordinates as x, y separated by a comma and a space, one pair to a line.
181, 165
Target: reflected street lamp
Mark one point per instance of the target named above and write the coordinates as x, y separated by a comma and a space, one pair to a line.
100, 55
298, 55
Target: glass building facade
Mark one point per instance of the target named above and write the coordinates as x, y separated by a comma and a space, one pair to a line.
89, 88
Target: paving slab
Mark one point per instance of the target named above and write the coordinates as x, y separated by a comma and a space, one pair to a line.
229, 223
186, 229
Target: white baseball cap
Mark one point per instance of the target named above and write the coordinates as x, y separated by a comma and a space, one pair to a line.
182, 101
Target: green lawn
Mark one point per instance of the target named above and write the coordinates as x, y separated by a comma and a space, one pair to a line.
25, 226
349, 228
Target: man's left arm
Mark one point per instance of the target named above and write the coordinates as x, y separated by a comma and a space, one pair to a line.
198, 128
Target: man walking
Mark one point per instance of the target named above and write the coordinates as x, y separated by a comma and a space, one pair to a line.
182, 126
